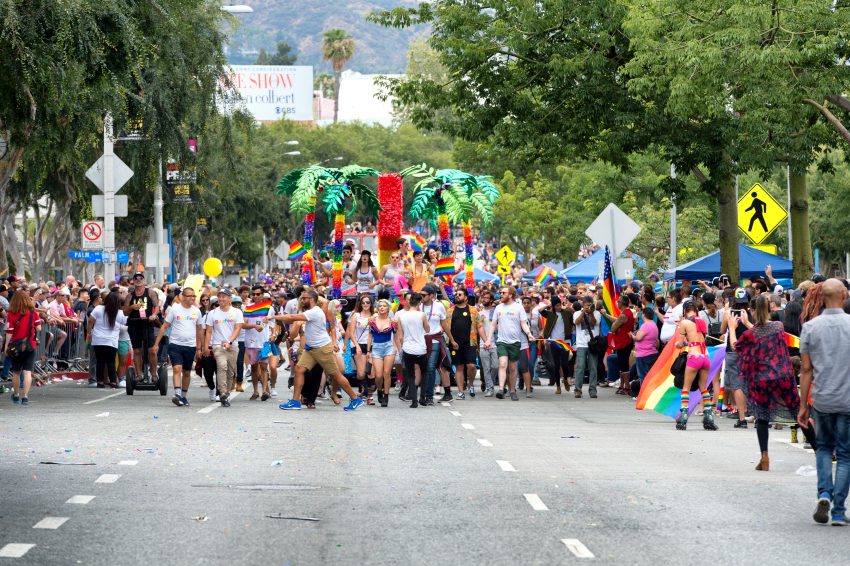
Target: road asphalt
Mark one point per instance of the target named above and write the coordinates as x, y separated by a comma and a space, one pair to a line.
548, 480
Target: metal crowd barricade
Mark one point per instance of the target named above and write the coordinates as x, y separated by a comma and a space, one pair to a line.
61, 347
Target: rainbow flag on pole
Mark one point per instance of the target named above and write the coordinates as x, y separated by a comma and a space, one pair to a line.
296, 251
417, 242
546, 274
610, 294
445, 267
561, 344
658, 392
257, 309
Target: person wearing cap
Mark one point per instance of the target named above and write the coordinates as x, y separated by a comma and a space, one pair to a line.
223, 327
142, 308
735, 387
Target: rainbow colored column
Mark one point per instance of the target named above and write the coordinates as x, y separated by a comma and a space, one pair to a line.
391, 197
336, 276
308, 267
469, 275
445, 242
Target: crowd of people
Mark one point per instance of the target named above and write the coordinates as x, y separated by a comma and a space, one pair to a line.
402, 332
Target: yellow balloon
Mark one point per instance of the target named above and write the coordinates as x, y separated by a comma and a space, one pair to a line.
213, 267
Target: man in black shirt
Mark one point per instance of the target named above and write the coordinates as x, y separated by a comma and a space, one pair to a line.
466, 326
142, 308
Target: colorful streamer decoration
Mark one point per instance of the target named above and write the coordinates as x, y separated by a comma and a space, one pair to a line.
445, 243
336, 275
308, 267
390, 217
468, 279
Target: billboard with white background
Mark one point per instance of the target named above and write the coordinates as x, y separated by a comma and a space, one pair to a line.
274, 92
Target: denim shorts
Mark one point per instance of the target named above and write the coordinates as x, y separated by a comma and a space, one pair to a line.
383, 349
183, 356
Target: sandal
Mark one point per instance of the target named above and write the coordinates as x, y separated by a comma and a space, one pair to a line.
255, 396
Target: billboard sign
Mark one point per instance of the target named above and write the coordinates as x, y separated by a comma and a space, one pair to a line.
274, 92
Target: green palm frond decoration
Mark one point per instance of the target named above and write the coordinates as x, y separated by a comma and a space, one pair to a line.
458, 205
302, 185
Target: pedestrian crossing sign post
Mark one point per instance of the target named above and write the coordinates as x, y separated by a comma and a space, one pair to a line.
505, 255
759, 214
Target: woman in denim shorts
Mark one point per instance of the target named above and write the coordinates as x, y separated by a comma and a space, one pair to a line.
381, 349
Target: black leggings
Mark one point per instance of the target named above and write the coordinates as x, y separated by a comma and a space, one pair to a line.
105, 359
410, 363
208, 367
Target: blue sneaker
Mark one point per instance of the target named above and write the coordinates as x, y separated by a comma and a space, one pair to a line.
25, 401
354, 404
291, 405
839, 521
185, 401
822, 510
177, 400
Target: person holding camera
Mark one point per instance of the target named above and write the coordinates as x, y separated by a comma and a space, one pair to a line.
587, 325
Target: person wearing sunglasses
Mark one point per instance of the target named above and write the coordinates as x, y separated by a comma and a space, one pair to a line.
186, 339
208, 365
358, 332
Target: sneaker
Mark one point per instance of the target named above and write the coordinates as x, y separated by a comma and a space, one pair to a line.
593, 396
472, 391
429, 402
578, 394
291, 405
385, 400
177, 400
529, 395
740, 424
16, 400
447, 397
822, 510
217, 398
514, 396
92, 384
839, 521
212, 395
185, 401
274, 392
489, 392
353, 404
500, 394
122, 383
225, 402
25, 401
461, 396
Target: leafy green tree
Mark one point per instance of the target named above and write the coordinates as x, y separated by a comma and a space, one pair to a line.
283, 56
338, 48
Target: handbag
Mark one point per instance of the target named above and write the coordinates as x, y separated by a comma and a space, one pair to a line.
597, 345
22, 346
678, 371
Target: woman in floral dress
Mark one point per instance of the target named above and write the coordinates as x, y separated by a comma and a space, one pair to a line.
766, 367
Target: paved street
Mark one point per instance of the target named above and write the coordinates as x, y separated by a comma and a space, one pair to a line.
481, 481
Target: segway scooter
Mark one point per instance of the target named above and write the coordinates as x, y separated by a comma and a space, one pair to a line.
145, 382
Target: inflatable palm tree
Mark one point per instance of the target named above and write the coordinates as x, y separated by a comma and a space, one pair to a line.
482, 195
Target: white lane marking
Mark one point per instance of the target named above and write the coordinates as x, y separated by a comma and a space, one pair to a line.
215, 404
485, 443
535, 502
506, 466
15, 550
80, 499
105, 398
455, 413
106, 414
108, 478
577, 548
445, 404
128, 462
50, 523
468, 426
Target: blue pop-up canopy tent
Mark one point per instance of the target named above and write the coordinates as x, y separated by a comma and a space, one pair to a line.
586, 270
553, 265
752, 264
479, 275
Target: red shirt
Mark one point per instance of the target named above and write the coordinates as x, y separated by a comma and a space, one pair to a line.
620, 339
18, 327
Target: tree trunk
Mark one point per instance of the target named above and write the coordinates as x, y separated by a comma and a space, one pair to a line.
337, 80
804, 263
727, 219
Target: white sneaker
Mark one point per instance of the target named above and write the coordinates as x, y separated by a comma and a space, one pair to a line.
489, 392
217, 398
213, 396
122, 383
274, 392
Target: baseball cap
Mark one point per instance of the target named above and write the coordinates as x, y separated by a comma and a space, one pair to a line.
225, 291
139, 274
779, 289
236, 299
818, 278
430, 289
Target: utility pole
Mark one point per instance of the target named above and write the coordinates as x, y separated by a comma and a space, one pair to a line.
673, 245
108, 198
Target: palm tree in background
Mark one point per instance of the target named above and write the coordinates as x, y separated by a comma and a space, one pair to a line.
338, 48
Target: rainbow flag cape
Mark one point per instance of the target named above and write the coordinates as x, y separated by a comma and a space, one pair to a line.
562, 344
610, 294
546, 274
445, 267
257, 309
792, 341
658, 392
296, 251
417, 242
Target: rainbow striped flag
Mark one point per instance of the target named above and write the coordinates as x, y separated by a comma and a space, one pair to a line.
417, 242
296, 251
658, 392
562, 344
610, 294
445, 267
546, 274
792, 341
257, 309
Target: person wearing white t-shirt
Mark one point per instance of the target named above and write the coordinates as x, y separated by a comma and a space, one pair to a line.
223, 327
410, 335
511, 321
672, 315
435, 312
587, 323
185, 340
320, 348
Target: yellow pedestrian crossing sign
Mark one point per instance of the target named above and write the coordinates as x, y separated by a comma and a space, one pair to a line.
759, 214
505, 255
504, 269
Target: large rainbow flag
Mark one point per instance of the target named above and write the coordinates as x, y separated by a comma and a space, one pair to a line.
610, 294
658, 392
257, 309
296, 251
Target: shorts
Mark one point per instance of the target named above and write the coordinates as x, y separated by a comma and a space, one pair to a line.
511, 351
323, 356
24, 362
183, 356
381, 350
137, 335
270, 349
364, 348
699, 361
123, 347
465, 354
252, 356
732, 379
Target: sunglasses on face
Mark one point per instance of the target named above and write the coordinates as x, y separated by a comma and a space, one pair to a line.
256, 294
